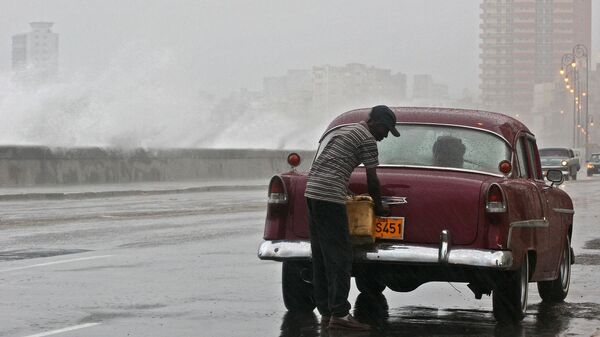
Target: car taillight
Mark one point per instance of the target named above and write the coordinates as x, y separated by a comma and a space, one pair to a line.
277, 191
495, 201
277, 210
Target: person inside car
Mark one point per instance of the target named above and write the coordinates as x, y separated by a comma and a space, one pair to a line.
448, 151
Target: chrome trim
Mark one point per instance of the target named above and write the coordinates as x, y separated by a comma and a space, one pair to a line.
391, 200
277, 201
538, 223
394, 253
281, 250
444, 246
489, 209
564, 210
442, 168
425, 123
462, 126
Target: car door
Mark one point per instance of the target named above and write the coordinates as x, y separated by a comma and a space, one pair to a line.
528, 227
548, 253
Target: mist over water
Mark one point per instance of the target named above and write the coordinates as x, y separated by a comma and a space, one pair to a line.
143, 98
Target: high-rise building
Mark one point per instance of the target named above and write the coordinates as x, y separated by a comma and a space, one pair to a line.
35, 53
522, 43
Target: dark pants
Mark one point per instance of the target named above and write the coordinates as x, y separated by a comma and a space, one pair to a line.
331, 256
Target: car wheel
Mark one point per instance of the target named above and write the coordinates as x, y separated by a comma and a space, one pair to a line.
297, 293
556, 290
509, 298
368, 281
566, 177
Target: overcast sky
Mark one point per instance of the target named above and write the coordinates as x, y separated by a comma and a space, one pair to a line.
226, 45
125, 63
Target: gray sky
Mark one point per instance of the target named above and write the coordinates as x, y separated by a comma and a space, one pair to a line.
231, 44
224, 45
127, 62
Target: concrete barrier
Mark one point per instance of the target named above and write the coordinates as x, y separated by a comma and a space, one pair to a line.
35, 165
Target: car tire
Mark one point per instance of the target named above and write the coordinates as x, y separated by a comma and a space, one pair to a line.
297, 293
509, 298
556, 291
368, 280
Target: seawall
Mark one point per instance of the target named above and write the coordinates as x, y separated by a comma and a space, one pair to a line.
36, 165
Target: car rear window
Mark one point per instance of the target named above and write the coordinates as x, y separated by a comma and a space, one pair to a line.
444, 146
554, 153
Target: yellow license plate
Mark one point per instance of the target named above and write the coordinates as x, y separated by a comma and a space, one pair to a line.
389, 228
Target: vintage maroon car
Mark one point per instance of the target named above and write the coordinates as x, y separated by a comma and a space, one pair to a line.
468, 204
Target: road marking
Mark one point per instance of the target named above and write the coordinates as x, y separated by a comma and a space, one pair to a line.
56, 262
70, 328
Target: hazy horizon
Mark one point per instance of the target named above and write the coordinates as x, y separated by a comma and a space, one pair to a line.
126, 63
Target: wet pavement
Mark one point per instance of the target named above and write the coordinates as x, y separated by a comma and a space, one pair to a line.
184, 264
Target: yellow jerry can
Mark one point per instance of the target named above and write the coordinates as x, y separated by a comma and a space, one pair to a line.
361, 218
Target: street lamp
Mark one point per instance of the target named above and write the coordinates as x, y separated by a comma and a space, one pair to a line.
581, 52
567, 70
570, 70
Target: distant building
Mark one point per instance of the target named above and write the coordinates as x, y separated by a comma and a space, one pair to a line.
427, 92
291, 92
355, 85
422, 86
522, 43
35, 54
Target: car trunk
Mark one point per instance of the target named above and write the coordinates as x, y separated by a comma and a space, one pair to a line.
435, 200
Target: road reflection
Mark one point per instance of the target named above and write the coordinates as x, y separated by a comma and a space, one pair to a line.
542, 320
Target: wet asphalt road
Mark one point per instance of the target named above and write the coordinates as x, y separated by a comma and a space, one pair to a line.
185, 265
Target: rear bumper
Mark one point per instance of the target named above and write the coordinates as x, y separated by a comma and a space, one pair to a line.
396, 253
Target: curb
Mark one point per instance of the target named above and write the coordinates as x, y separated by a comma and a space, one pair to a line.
126, 193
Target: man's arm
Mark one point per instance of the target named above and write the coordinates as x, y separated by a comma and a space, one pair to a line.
373, 186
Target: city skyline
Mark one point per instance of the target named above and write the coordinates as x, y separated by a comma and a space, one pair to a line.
139, 73
249, 41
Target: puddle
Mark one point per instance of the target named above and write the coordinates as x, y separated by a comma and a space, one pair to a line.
592, 244
588, 259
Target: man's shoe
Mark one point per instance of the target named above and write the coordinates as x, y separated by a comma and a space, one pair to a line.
325, 320
347, 323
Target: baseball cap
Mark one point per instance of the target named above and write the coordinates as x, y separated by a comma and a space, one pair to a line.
385, 115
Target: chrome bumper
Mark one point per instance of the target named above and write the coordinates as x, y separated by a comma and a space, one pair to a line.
396, 253
563, 169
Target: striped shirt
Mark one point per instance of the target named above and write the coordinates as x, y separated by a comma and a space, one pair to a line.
348, 147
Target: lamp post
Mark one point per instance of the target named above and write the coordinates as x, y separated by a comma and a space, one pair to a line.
570, 70
569, 74
581, 52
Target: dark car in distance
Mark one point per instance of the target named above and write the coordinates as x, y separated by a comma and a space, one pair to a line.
593, 165
468, 204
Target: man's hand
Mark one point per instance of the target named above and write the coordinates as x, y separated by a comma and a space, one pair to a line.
382, 211
373, 183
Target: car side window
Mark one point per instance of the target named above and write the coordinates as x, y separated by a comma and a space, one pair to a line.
533, 163
522, 157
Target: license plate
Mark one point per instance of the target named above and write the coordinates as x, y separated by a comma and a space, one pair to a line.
389, 228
